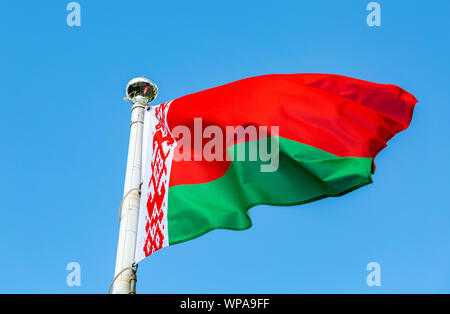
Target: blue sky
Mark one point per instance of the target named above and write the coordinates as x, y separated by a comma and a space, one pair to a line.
64, 137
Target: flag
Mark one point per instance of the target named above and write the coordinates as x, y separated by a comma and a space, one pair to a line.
287, 139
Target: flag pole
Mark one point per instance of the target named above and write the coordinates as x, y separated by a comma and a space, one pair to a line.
140, 92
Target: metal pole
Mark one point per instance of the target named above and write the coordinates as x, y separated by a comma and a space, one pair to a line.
130, 207
140, 91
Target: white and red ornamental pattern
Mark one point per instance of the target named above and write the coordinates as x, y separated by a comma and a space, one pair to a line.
157, 155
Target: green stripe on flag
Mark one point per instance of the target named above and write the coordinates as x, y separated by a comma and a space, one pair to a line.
305, 174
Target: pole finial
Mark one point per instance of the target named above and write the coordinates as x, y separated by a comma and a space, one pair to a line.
141, 89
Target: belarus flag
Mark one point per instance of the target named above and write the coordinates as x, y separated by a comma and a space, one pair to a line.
275, 139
